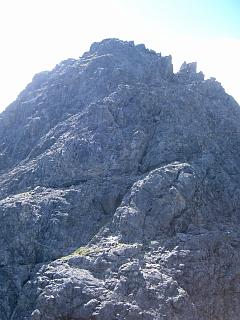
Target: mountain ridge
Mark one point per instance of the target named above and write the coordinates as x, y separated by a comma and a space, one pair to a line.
119, 194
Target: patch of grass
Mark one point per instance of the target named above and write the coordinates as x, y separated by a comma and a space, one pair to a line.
82, 251
85, 251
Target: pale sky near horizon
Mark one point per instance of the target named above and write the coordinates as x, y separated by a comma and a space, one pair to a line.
35, 35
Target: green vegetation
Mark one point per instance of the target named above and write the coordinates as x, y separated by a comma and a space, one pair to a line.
83, 251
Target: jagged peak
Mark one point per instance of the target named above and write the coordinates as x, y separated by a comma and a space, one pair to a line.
189, 67
112, 44
129, 175
188, 73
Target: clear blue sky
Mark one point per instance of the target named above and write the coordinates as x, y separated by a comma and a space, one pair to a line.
37, 34
204, 18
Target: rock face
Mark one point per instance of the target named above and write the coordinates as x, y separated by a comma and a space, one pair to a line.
120, 192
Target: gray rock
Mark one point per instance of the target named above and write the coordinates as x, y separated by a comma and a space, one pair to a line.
120, 192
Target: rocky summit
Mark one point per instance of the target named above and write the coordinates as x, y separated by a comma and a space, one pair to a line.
120, 192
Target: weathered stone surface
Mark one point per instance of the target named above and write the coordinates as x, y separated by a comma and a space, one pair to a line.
120, 192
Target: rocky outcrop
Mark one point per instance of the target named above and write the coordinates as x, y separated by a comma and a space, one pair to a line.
120, 192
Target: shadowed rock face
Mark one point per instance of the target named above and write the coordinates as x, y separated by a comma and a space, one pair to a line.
120, 192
